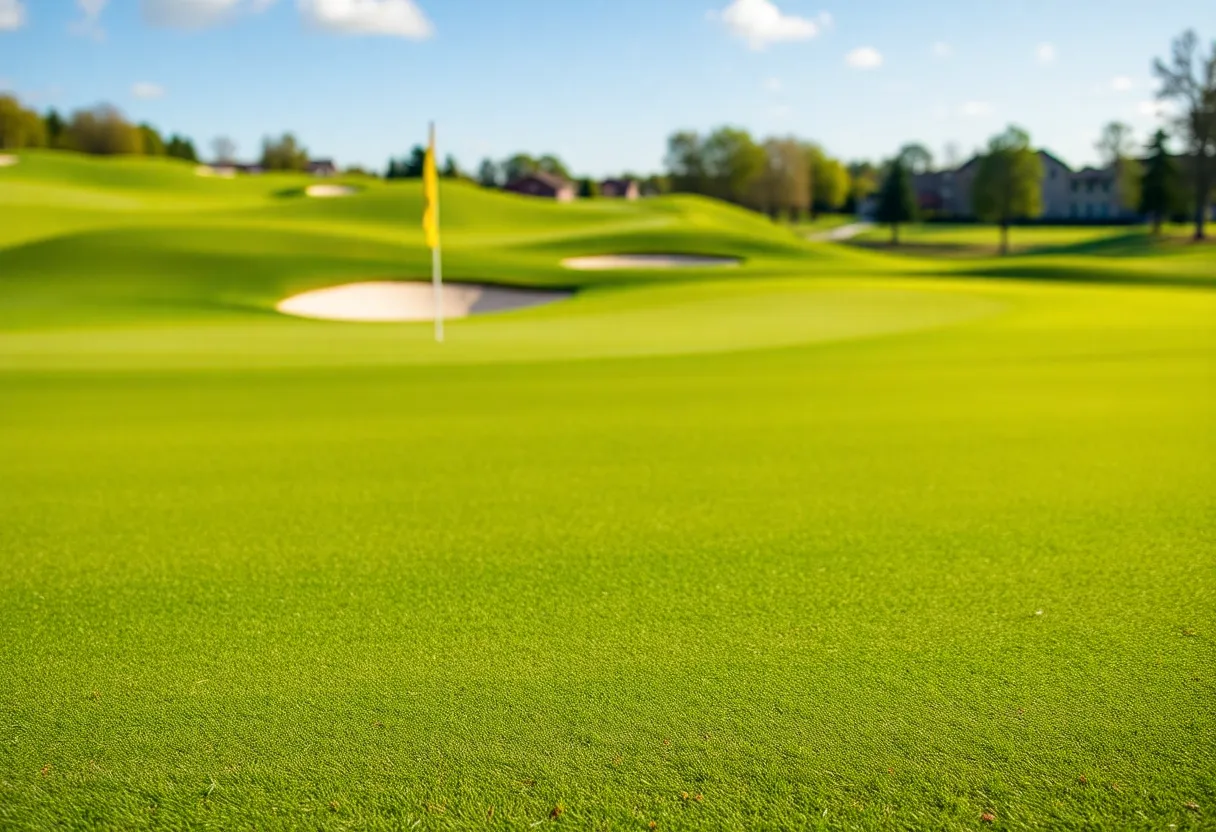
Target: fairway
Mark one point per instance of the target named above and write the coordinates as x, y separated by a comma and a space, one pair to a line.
832, 538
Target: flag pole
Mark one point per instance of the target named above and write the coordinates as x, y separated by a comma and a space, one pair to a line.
436, 258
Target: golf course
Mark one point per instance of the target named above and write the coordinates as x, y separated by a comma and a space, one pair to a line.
765, 534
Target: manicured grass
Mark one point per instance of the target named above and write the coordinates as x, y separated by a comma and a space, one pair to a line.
834, 540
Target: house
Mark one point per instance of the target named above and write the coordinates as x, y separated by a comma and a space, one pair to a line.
542, 184
619, 188
1090, 194
232, 168
322, 167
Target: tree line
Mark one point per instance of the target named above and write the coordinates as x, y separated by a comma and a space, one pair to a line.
99, 130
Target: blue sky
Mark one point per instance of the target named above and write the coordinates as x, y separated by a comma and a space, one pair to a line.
600, 82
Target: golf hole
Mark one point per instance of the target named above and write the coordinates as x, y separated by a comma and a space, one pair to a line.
647, 261
330, 191
412, 301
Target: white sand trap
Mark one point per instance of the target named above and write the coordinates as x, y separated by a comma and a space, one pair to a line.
207, 170
393, 301
330, 191
7, 160
647, 261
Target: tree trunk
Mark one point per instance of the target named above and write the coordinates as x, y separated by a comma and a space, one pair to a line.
894, 233
1004, 238
1156, 225
1201, 210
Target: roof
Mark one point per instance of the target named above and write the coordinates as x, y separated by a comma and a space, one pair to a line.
1045, 154
551, 179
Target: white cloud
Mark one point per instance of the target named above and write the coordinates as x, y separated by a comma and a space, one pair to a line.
1121, 83
865, 57
399, 18
773, 84
146, 89
12, 15
89, 25
760, 23
197, 14
975, 109
1045, 54
941, 49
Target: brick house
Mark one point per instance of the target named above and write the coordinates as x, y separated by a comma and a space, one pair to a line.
544, 185
619, 189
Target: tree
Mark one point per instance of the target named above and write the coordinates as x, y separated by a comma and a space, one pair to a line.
451, 169
285, 153
685, 163
102, 130
487, 174
830, 185
151, 141
1115, 147
784, 183
19, 127
179, 147
863, 181
732, 162
408, 167
916, 158
519, 165
552, 165
1194, 89
223, 149
1159, 186
1008, 182
588, 188
896, 201
656, 185
55, 128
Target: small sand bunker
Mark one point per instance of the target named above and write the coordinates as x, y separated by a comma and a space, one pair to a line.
330, 191
207, 170
647, 261
414, 301
7, 160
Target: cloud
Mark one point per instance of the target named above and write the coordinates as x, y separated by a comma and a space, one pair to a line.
1121, 83
865, 57
12, 15
147, 90
89, 25
760, 23
1045, 54
773, 84
197, 14
943, 50
398, 18
975, 109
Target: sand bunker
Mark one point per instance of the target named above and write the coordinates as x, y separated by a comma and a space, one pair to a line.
393, 301
330, 191
647, 261
7, 160
207, 170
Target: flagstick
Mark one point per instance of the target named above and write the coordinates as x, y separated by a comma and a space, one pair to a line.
436, 261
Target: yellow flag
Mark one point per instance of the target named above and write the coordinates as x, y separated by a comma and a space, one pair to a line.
430, 188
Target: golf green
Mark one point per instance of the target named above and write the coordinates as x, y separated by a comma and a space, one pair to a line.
836, 539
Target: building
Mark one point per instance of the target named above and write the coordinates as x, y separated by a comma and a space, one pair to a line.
1090, 194
322, 167
542, 184
619, 188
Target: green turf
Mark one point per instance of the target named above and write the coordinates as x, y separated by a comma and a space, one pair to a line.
837, 539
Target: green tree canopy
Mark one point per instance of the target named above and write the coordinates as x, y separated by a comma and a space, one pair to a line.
487, 174
284, 153
1008, 182
1159, 184
103, 130
151, 141
1190, 80
916, 158
1115, 147
896, 200
180, 147
19, 127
